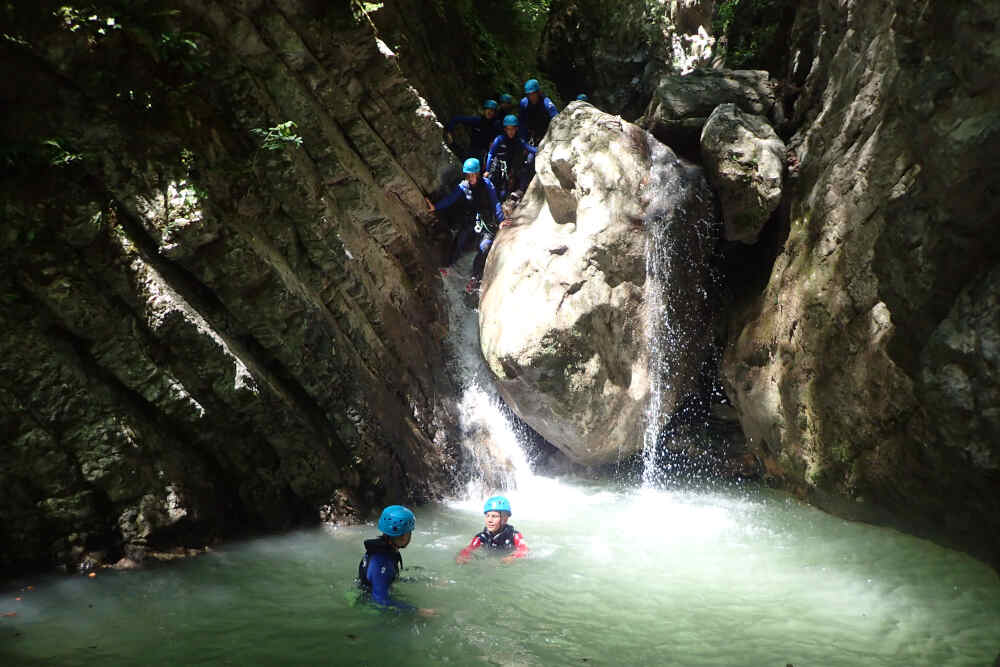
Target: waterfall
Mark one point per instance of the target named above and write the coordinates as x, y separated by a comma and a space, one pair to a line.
677, 312
490, 434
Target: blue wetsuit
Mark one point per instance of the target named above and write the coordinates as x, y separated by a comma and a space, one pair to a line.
483, 215
378, 569
534, 118
519, 157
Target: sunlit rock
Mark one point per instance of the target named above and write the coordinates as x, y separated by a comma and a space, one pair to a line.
609, 48
565, 306
745, 162
681, 103
864, 370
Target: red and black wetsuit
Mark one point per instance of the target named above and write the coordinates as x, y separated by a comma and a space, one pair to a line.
507, 540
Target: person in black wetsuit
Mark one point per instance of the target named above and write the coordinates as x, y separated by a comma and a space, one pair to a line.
507, 105
482, 129
481, 215
535, 113
382, 562
497, 536
510, 160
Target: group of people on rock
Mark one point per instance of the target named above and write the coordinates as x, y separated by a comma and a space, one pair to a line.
382, 562
499, 164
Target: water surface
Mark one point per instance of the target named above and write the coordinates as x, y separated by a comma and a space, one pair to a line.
616, 576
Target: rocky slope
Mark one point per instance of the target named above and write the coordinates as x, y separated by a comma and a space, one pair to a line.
213, 320
864, 370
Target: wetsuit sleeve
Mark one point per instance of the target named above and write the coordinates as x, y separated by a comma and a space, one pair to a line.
461, 120
491, 152
520, 546
550, 107
381, 572
465, 553
528, 147
448, 200
497, 209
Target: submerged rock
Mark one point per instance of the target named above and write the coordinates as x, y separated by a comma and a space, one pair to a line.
566, 308
745, 162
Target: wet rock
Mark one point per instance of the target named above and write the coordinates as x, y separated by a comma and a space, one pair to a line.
744, 161
960, 373
126, 563
863, 371
564, 304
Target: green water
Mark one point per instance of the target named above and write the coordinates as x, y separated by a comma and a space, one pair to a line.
616, 577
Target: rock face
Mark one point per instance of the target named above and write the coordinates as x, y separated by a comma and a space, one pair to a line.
682, 103
863, 372
565, 305
214, 320
608, 48
745, 162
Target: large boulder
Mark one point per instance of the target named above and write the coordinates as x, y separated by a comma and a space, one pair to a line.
745, 162
568, 302
681, 103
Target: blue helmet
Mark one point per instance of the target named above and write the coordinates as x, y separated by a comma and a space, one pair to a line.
396, 520
470, 166
510, 120
582, 97
497, 504
490, 104
506, 98
531, 86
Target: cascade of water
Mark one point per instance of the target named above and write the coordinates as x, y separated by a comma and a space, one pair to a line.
672, 198
490, 436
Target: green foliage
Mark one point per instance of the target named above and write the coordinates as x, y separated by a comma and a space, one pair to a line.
753, 31
280, 136
60, 155
532, 12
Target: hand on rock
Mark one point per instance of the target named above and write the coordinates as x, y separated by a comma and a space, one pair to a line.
426, 612
430, 205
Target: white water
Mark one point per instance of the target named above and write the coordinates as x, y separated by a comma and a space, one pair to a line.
489, 436
673, 201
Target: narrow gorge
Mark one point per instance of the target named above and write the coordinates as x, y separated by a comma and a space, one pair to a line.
221, 307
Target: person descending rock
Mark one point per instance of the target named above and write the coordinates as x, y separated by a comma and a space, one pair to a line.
381, 564
482, 129
497, 536
481, 215
535, 113
507, 105
510, 161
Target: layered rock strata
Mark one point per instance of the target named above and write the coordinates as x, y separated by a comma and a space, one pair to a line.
215, 320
